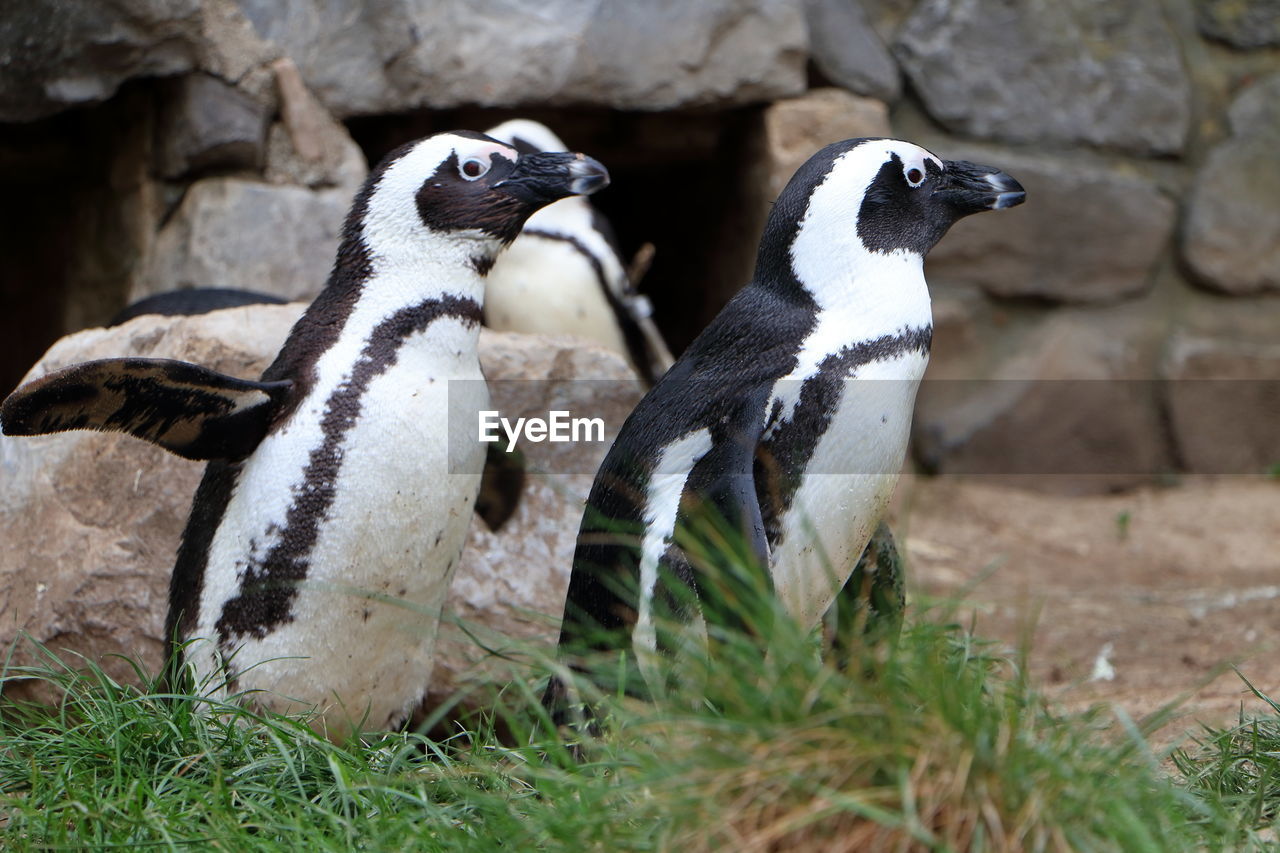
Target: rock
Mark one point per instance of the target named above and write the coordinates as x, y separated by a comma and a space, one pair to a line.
309, 146
1075, 71
66, 53
1086, 234
796, 128
1223, 398
1231, 234
848, 51
90, 523
401, 55
230, 232
1073, 409
208, 124
63, 53
1240, 23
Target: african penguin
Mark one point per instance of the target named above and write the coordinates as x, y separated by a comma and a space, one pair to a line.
788, 416
564, 274
325, 532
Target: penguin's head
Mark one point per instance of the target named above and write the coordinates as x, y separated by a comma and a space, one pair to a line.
885, 196
464, 189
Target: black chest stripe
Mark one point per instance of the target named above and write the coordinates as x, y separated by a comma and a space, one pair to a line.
783, 458
270, 585
632, 336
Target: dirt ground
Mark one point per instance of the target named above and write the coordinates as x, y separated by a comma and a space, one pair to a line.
1136, 599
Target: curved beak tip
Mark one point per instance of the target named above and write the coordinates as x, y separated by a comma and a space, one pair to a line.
587, 176
1008, 192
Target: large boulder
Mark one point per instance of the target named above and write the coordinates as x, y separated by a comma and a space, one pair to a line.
249, 235
1231, 235
846, 49
206, 123
1222, 370
59, 54
90, 523
1240, 23
795, 128
370, 56
1088, 233
1065, 405
1061, 71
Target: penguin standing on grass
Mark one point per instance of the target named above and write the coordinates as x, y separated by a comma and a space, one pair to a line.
564, 274
788, 417
325, 532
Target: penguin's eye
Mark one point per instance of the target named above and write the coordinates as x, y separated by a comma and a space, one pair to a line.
472, 168
915, 176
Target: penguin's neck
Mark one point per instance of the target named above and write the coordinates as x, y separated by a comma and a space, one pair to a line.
375, 283
873, 294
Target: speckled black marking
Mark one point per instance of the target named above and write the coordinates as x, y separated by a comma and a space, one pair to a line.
632, 336
269, 587
187, 582
783, 458
190, 410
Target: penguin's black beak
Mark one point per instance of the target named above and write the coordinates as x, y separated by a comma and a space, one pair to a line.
970, 188
543, 177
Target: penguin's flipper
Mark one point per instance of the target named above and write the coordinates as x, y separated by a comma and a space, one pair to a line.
190, 410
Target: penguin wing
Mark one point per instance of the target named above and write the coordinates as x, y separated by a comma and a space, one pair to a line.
721, 517
190, 410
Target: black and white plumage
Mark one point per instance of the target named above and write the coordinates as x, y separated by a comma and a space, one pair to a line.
325, 532
564, 274
789, 415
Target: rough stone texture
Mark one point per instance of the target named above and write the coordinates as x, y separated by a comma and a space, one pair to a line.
1066, 71
1231, 235
1086, 234
230, 232
1240, 23
797, 127
309, 146
848, 51
1071, 408
395, 55
90, 523
61, 53
66, 53
208, 124
1223, 395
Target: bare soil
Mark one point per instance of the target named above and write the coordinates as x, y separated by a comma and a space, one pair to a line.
1139, 599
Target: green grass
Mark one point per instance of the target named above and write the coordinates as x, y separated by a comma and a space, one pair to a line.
933, 743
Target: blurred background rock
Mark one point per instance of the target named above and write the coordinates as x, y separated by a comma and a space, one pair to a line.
150, 145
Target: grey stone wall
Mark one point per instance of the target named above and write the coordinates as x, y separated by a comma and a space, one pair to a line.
209, 143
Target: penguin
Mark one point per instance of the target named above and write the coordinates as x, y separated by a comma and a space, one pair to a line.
326, 529
192, 301
564, 275
787, 418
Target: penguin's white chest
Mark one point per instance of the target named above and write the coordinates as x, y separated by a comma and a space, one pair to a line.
846, 485
386, 508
